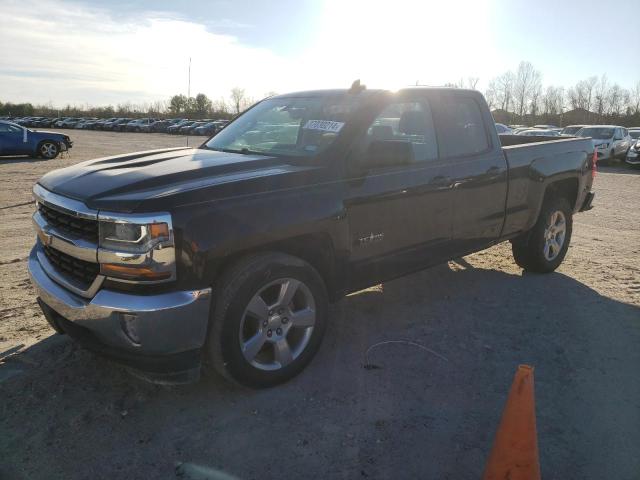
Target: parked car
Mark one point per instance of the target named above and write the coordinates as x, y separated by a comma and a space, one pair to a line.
571, 130
633, 155
611, 141
18, 140
69, 122
174, 129
137, 124
117, 125
188, 128
84, 123
207, 129
538, 132
99, 125
232, 251
503, 129
545, 127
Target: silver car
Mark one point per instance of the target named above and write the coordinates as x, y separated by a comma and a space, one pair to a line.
539, 132
633, 155
611, 141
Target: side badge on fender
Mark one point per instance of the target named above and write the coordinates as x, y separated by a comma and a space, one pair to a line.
371, 238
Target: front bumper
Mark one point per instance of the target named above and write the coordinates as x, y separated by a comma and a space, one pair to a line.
633, 157
161, 335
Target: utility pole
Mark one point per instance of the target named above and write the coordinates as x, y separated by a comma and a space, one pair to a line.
189, 84
189, 92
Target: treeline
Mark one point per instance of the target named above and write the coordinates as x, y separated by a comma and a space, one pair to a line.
514, 97
520, 97
196, 107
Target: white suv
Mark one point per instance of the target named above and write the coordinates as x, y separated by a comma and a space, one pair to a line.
611, 141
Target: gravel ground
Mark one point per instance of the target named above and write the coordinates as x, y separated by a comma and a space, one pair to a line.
68, 414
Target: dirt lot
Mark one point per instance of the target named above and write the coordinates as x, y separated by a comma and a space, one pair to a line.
66, 414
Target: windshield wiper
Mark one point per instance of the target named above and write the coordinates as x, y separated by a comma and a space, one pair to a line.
242, 151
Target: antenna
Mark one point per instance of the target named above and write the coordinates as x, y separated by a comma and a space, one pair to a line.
357, 87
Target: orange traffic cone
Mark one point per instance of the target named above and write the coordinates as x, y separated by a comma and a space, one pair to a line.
515, 449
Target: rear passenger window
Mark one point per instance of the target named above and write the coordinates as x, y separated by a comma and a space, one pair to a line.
462, 125
406, 122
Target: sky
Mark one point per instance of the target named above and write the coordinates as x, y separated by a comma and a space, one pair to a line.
96, 53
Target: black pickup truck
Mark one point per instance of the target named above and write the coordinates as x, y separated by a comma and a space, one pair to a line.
229, 254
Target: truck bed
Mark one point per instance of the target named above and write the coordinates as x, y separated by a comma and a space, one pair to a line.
530, 160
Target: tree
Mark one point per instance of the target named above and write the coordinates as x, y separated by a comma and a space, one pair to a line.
237, 99
535, 99
527, 80
504, 85
602, 88
202, 104
616, 100
491, 94
178, 104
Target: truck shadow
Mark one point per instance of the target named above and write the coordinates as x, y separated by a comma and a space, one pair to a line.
414, 413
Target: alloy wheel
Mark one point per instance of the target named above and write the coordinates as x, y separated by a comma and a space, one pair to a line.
554, 235
48, 150
277, 324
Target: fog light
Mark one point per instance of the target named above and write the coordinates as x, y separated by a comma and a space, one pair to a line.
128, 323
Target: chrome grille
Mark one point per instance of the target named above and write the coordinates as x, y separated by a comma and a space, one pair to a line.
68, 224
78, 270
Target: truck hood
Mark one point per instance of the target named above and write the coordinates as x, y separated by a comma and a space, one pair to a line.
160, 179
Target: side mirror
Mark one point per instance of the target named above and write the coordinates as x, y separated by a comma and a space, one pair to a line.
387, 153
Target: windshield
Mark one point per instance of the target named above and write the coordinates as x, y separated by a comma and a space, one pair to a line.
596, 132
635, 134
570, 130
288, 126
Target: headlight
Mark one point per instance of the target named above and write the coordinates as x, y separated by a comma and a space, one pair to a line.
137, 248
132, 237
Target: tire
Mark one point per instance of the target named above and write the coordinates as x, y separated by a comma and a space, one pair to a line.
254, 339
533, 251
48, 150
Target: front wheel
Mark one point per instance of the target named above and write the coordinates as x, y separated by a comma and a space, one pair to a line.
544, 247
48, 150
268, 321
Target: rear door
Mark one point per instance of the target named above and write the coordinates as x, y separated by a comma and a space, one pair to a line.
478, 169
399, 215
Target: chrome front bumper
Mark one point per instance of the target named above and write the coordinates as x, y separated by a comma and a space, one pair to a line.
162, 324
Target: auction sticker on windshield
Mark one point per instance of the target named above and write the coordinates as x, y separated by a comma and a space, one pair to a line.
324, 125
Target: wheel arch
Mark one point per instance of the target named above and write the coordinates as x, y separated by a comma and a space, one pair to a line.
316, 249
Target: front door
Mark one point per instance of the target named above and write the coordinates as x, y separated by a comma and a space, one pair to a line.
12, 139
399, 213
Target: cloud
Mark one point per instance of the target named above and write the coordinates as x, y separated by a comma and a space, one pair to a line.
67, 52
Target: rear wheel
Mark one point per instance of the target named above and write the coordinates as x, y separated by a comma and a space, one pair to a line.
268, 321
48, 150
544, 247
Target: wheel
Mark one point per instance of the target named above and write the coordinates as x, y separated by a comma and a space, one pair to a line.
48, 150
269, 318
544, 247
